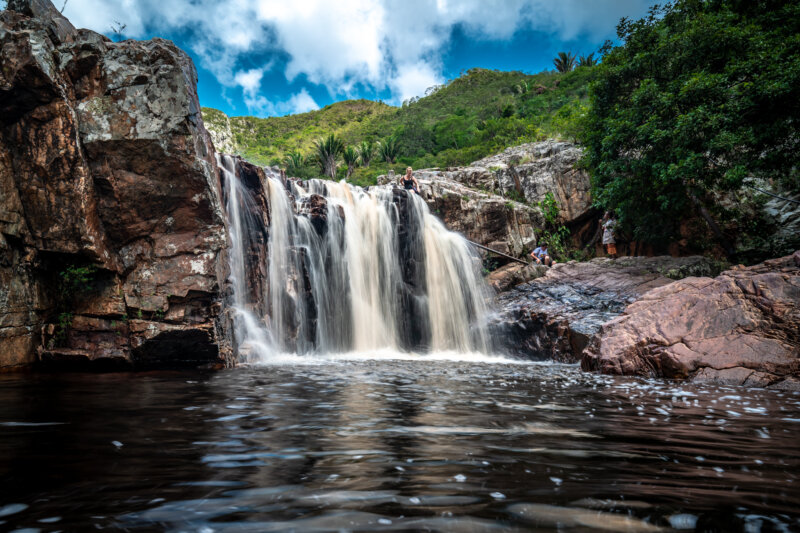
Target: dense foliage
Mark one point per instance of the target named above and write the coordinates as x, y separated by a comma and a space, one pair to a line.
475, 115
702, 95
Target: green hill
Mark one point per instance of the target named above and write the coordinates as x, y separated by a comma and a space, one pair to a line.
477, 114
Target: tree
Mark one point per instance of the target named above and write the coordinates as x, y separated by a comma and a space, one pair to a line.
587, 61
388, 150
293, 161
328, 151
350, 156
564, 62
688, 106
366, 149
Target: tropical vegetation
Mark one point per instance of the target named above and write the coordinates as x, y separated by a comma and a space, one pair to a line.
702, 96
475, 115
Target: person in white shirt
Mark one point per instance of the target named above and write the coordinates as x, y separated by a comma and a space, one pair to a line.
609, 223
541, 256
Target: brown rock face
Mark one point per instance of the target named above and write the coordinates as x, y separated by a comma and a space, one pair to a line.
488, 219
742, 327
106, 171
513, 274
557, 315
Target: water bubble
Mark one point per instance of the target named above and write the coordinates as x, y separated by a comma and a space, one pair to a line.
683, 521
556, 480
461, 478
498, 495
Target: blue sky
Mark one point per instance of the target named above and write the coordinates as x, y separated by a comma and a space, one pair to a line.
274, 57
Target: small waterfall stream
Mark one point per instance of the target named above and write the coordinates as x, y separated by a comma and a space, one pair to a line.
349, 270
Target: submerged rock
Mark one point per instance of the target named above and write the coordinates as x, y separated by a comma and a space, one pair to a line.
742, 327
105, 169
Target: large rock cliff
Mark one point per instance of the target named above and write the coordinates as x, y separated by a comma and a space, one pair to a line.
112, 236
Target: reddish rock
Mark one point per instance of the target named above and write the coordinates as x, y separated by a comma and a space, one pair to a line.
557, 315
104, 164
742, 327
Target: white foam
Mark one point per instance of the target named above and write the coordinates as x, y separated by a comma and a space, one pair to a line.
386, 354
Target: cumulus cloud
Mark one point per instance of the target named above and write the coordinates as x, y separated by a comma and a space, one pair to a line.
301, 102
250, 83
346, 44
412, 80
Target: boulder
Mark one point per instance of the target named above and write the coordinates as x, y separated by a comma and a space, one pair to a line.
742, 327
557, 315
108, 173
513, 274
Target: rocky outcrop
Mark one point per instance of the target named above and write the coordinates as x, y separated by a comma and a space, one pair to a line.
742, 327
491, 201
533, 170
488, 219
557, 315
112, 236
219, 128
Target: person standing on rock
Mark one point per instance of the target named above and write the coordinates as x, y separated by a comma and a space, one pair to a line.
609, 224
541, 256
409, 182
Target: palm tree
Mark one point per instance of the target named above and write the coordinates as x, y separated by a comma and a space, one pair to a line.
366, 150
293, 161
388, 150
587, 61
350, 156
328, 151
565, 61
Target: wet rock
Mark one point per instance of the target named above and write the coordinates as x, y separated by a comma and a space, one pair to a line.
315, 207
256, 205
557, 315
513, 274
104, 165
742, 327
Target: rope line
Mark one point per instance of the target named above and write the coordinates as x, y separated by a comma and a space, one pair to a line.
773, 195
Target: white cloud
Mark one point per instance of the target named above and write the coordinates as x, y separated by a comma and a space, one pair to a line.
301, 102
345, 44
249, 80
412, 80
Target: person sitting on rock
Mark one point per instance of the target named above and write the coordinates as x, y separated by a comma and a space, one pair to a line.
609, 223
541, 256
409, 182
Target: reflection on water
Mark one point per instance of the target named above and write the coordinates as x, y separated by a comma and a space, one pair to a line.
400, 445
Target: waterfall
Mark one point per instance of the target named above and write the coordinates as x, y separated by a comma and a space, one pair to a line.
349, 270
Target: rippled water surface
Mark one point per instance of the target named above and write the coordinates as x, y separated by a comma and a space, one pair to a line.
400, 445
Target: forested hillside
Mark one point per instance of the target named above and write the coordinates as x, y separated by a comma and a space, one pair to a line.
470, 117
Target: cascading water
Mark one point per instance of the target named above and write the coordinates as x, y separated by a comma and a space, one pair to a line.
250, 334
350, 270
